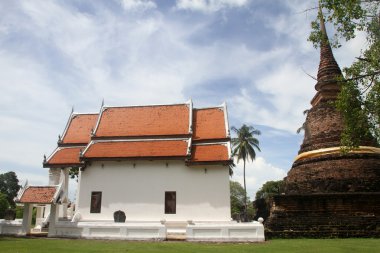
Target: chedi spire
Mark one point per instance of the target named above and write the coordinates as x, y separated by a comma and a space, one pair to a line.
329, 72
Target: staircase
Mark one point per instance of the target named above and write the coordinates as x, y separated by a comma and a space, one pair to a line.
176, 230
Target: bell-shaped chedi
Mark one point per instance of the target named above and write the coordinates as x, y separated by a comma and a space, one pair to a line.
320, 166
328, 193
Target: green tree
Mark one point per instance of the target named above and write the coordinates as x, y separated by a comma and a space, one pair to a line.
236, 198
9, 186
74, 173
263, 197
244, 146
4, 204
359, 100
269, 189
237, 201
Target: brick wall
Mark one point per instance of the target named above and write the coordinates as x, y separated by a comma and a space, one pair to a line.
325, 215
335, 173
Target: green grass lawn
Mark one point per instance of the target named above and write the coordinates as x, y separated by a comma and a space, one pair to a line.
41, 245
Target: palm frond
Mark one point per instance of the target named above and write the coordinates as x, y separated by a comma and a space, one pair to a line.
245, 143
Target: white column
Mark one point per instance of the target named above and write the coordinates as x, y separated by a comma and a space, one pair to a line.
27, 218
54, 175
39, 215
54, 214
78, 191
66, 189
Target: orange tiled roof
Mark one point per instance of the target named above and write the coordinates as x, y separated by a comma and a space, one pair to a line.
64, 156
137, 149
209, 124
118, 124
144, 121
209, 153
79, 129
38, 194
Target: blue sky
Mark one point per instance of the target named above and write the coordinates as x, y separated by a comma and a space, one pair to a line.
252, 54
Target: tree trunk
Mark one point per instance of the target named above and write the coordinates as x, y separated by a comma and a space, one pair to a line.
245, 195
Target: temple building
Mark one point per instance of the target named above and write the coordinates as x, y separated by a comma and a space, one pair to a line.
145, 172
328, 193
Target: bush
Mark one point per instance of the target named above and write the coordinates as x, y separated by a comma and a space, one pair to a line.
4, 205
19, 212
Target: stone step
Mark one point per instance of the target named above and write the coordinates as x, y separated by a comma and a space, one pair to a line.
176, 236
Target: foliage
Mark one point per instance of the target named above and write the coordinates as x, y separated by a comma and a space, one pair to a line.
262, 198
356, 127
19, 212
245, 143
4, 204
236, 197
269, 189
231, 169
9, 186
237, 201
359, 100
74, 172
244, 146
34, 216
43, 245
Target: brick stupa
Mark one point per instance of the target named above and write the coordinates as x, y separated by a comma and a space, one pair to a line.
327, 193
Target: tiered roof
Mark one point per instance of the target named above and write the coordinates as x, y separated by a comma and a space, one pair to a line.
38, 194
137, 149
177, 131
75, 137
78, 129
210, 124
142, 121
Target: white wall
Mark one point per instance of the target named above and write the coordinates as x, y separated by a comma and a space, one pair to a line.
140, 191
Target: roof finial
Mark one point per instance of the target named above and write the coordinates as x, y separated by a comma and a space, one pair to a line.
72, 109
44, 158
102, 103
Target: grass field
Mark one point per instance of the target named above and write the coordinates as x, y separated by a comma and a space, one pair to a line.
41, 245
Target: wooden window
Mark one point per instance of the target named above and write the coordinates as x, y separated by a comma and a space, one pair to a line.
170, 202
96, 202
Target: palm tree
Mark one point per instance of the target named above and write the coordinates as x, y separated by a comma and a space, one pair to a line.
244, 146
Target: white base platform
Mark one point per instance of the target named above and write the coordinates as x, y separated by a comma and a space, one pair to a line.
109, 230
13, 227
156, 231
233, 232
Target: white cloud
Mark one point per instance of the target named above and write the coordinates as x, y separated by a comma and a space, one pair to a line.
257, 173
144, 60
208, 6
279, 98
138, 5
54, 56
